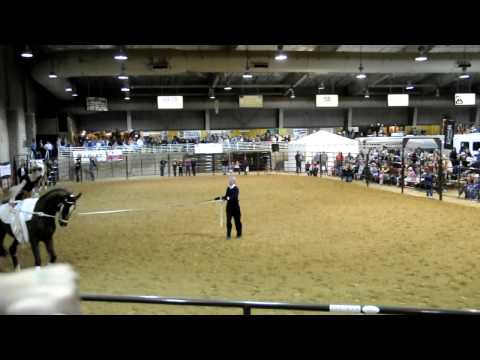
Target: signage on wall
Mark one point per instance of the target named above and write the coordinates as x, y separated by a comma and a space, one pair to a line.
398, 100
464, 99
326, 100
5, 170
251, 101
448, 133
97, 104
211, 148
170, 102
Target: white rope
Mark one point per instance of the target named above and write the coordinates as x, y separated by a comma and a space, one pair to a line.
109, 211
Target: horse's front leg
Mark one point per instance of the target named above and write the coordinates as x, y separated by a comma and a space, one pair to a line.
36, 253
51, 251
13, 254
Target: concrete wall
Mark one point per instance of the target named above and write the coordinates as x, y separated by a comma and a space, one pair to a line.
21, 103
243, 119
386, 116
314, 118
168, 120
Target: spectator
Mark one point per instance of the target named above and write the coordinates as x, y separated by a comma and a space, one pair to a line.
162, 167
188, 167
180, 168
307, 168
91, 167
298, 162
174, 167
225, 166
78, 168
428, 182
236, 167
194, 167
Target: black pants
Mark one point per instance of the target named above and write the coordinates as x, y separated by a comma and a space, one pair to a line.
188, 171
77, 173
174, 171
235, 213
194, 170
162, 170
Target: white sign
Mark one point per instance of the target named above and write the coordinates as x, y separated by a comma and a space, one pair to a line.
327, 100
208, 148
97, 104
170, 102
251, 101
5, 170
465, 99
192, 134
398, 100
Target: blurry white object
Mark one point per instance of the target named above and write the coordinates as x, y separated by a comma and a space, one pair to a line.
50, 290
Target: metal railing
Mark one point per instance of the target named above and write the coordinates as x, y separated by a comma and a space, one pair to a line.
247, 306
172, 148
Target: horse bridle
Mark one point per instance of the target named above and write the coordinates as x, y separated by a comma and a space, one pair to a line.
70, 211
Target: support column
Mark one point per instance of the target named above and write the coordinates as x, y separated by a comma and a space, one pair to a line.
31, 127
4, 134
477, 118
129, 121
207, 120
349, 119
415, 117
280, 122
4, 137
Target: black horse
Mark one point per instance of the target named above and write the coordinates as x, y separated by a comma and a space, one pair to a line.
42, 225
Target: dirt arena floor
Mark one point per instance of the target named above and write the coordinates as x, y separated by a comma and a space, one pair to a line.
306, 240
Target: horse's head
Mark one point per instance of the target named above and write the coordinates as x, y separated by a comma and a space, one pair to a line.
66, 208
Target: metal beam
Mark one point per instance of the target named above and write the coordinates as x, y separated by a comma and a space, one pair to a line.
297, 83
203, 86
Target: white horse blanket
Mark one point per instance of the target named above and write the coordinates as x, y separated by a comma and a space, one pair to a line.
18, 216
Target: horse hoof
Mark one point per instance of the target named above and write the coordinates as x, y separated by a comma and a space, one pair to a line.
18, 268
37, 268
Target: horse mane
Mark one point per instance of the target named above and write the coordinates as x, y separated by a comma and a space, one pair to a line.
50, 194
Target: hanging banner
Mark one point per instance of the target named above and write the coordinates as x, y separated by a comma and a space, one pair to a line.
5, 170
448, 133
97, 104
464, 99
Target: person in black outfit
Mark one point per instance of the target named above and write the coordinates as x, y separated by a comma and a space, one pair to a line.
233, 208
162, 167
27, 184
78, 168
194, 167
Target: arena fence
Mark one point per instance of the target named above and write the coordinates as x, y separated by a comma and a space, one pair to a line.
247, 306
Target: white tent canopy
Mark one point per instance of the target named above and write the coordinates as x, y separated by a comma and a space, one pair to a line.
323, 141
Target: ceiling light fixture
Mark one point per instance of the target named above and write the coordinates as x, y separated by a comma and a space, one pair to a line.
27, 53
52, 75
367, 94
292, 93
211, 94
321, 86
281, 55
68, 89
361, 75
121, 55
409, 86
127, 97
123, 75
227, 88
464, 65
125, 88
74, 94
422, 56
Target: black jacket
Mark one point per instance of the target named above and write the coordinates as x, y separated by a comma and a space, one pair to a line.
231, 195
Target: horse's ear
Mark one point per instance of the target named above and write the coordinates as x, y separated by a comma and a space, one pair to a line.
78, 196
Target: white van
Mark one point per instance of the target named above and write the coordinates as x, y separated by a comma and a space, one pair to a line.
470, 141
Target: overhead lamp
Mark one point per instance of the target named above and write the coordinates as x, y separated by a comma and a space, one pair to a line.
125, 88
409, 86
123, 75
422, 56
281, 55
68, 89
367, 94
74, 94
247, 75
127, 97
361, 75
292, 93
321, 86
227, 88
27, 53
464, 65
52, 75
211, 94
120, 55
437, 92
